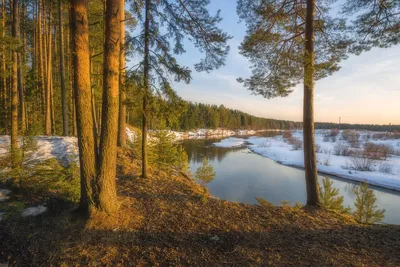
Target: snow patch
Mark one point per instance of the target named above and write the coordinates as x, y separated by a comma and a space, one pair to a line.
3, 194
34, 211
230, 142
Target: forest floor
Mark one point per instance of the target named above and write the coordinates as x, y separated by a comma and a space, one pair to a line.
169, 220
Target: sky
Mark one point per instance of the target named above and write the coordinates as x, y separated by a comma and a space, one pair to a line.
365, 90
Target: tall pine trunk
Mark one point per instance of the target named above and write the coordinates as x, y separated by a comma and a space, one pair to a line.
4, 69
41, 58
48, 128
62, 71
146, 88
122, 92
82, 95
20, 77
310, 164
109, 128
14, 82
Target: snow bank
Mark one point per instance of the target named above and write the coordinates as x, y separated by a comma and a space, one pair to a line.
230, 142
3, 194
34, 211
277, 149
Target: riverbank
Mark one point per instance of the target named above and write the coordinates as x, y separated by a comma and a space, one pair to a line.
383, 173
166, 220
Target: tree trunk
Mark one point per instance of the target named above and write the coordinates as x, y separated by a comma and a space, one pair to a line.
62, 72
19, 75
4, 69
146, 88
14, 82
41, 58
310, 165
48, 79
109, 128
122, 93
82, 94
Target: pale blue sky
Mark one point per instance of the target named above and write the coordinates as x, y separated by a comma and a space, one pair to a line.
365, 90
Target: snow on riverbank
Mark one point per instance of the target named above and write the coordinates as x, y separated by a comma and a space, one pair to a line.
64, 149
230, 142
278, 149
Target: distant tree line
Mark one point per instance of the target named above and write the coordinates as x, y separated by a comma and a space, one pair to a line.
348, 126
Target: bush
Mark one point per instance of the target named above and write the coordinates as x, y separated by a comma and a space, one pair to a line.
318, 148
287, 135
205, 173
330, 197
360, 162
352, 137
386, 167
377, 151
366, 210
341, 149
296, 143
334, 132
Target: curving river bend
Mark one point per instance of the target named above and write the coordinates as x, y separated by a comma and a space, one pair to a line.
242, 176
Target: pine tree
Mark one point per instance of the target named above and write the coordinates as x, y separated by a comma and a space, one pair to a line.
374, 23
366, 210
162, 29
82, 94
122, 88
205, 173
330, 198
14, 81
288, 42
109, 131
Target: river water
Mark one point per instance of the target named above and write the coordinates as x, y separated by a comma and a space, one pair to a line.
242, 176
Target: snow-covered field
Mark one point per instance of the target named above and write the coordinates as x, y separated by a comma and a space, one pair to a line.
384, 173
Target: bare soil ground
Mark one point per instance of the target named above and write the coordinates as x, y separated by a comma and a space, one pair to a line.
165, 221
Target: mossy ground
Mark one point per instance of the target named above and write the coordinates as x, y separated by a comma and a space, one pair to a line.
165, 220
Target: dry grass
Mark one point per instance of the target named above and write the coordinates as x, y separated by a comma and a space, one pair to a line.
163, 222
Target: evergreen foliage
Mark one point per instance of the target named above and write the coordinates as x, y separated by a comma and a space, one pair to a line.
330, 198
205, 173
366, 210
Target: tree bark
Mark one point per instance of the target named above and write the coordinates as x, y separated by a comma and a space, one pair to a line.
146, 88
109, 129
41, 59
48, 127
82, 94
310, 164
4, 69
62, 71
14, 82
122, 92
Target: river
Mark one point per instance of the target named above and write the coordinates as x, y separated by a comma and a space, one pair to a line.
242, 176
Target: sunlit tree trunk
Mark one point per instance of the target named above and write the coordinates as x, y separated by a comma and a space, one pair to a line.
4, 69
146, 88
20, 77
62, 71
48, 79
14, 81
41, 58
82, 94
109, 128
122, 93
310, 164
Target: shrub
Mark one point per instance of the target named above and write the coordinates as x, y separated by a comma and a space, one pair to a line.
330, 198
352, 137
366, 210
334, 132
318, 148
205, 173
296, 143
287, 135
341, 149
386, 167
327, 160
360, 162
377, 151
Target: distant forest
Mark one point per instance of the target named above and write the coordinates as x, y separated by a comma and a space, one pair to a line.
198, 116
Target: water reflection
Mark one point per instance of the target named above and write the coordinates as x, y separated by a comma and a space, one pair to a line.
242, 176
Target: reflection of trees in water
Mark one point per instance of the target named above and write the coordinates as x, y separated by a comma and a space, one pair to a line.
198, 149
